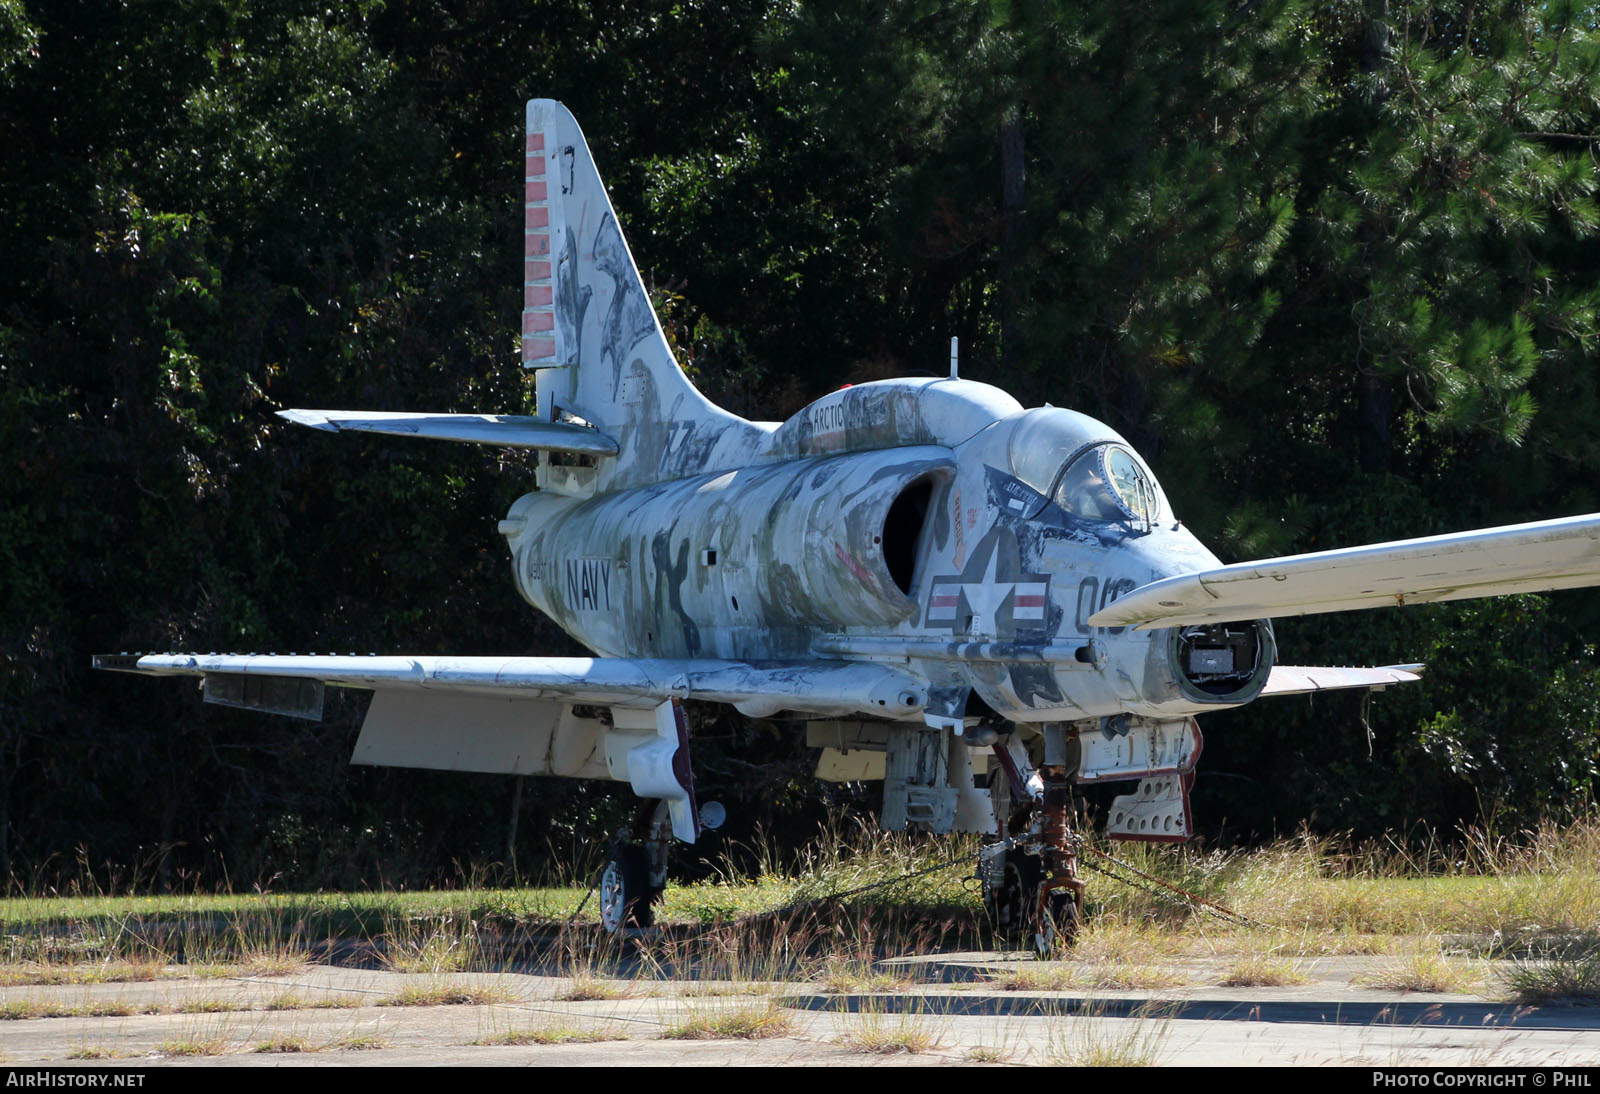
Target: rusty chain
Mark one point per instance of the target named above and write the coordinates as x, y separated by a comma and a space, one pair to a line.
1184, 898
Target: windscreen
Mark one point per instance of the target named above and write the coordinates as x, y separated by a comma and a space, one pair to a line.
1107, 484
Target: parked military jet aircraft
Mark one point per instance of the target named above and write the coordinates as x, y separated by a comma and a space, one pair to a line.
976, 603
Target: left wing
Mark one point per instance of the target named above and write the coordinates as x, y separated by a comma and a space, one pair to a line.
1519, 558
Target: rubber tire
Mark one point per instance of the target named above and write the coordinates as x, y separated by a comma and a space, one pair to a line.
625, 893
1062, 918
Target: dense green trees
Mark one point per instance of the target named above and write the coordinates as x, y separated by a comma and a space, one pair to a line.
1332, 267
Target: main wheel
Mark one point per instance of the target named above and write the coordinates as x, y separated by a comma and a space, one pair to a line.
625, 892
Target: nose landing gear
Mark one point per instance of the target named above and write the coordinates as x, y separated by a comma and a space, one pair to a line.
1031, 887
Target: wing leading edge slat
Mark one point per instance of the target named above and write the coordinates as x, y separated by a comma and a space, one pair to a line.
1519, 558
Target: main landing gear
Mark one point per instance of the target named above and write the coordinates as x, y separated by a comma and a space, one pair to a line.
636, 870
626, 896
635, 874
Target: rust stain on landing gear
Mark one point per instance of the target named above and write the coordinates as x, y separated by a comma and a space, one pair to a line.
1061, 891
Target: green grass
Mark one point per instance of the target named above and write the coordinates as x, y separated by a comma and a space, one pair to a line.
311, 915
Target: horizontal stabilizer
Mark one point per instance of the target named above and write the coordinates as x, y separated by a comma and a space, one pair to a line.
759, 688
1304, 679
506, 430
1519, 558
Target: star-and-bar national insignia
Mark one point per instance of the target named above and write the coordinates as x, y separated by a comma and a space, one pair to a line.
991, 597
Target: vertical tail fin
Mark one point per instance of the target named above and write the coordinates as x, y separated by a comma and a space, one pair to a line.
588, 327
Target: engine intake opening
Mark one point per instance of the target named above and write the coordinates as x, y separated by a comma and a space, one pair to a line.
902, 531
1223, 660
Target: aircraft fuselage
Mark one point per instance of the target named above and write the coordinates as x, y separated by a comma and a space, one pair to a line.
965, 557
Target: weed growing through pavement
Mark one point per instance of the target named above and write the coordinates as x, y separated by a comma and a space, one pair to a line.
748, 1020
214, 1045
886, 1027
433, 944
436, 993
1425, 967
1566, 974
554, 1034
1265, 970
290, 1001
1096, 1039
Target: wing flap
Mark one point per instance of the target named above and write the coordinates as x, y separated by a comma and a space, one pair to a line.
1306, 679
505, 430
497, 734
756, 687
1520, 558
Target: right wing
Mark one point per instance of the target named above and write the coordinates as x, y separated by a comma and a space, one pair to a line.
528, 716
758, 688
1519, 558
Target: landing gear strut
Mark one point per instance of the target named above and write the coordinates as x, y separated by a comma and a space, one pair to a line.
1031, 887
1060, 896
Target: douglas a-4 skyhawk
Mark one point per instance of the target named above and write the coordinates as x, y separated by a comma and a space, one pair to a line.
979, 604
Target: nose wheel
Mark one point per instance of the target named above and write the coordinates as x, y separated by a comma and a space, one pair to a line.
1029, 906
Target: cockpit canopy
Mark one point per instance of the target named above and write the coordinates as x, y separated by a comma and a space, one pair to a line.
1084, 468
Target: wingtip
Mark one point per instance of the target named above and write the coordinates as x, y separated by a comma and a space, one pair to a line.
316, 419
